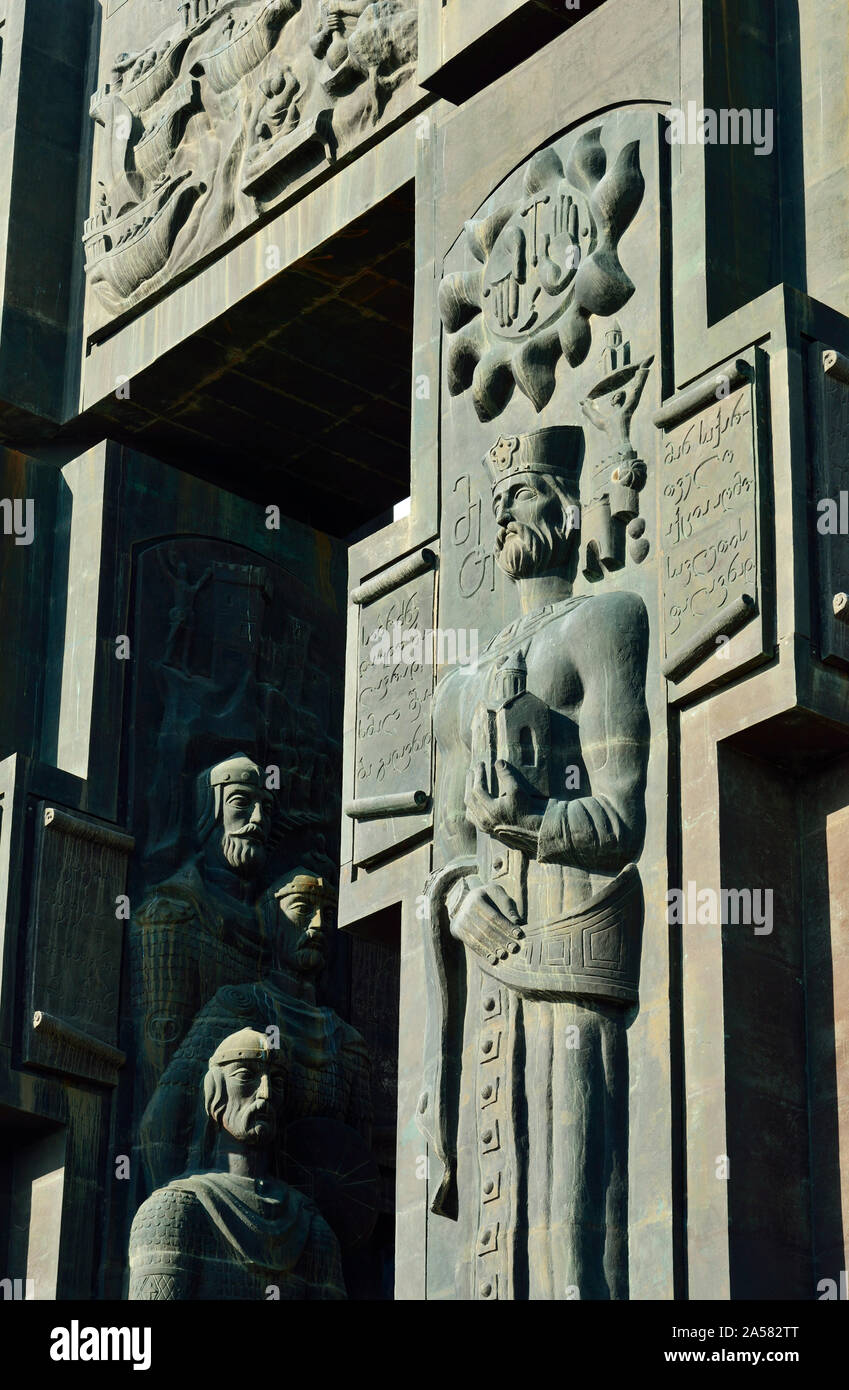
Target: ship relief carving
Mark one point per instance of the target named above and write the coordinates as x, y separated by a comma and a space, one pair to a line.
221, 113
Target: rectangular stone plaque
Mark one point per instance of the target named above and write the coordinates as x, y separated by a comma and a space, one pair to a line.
75, 947
709, 532
393, 743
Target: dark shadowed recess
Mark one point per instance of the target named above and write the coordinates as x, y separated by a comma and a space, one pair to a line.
299, 395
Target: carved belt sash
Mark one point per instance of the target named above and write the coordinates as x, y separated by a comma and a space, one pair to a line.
593, 953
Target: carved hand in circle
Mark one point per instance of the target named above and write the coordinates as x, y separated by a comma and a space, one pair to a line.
558, 264
488, 923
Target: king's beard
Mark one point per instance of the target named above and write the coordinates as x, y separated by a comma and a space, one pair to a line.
245, 854
246, 1124
300, 950
311, 953
524, 551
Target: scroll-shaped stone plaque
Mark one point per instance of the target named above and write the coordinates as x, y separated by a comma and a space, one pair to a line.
392, 774
709, 509
75, 947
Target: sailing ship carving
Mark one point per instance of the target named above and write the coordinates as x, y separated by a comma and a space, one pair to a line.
217, 117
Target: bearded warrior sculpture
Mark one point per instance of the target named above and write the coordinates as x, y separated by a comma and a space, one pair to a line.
203, 927
229, 1228
535, 915
326, 1059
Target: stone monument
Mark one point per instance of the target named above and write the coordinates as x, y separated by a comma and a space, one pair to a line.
540, 809
559, 743
201, 928
326, 1059
229, 1228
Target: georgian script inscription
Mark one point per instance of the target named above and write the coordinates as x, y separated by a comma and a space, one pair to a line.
395, 686
476, 561
708, 516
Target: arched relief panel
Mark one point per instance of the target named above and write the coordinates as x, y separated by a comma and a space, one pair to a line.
582, 223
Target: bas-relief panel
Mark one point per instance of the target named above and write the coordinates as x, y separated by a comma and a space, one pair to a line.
708, 519
551, 310
207, 112
550, 750
234, 790
605, 552
393, 744
76, 943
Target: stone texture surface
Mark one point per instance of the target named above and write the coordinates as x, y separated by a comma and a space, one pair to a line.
42, 96
299, 262
704, 1039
